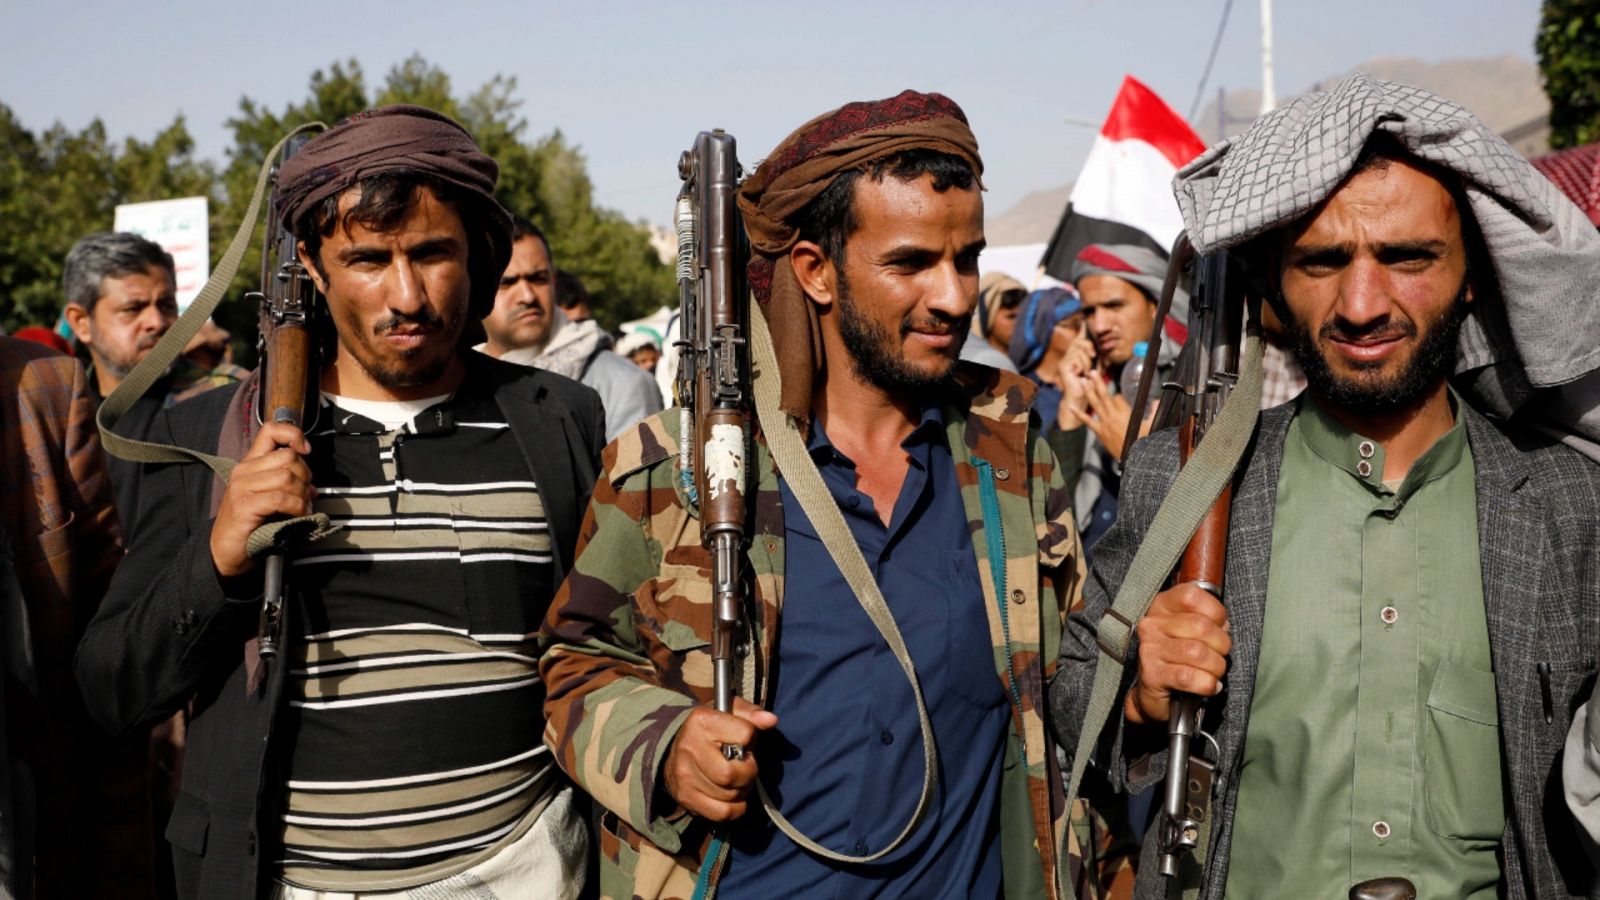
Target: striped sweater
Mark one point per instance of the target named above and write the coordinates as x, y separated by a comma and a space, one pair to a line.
413, 733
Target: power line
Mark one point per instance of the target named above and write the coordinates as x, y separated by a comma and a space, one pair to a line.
1216, 44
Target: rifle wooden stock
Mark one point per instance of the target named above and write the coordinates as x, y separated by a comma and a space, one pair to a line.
1207, 372
288, 377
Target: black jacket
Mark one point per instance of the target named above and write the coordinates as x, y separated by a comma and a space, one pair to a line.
168, 633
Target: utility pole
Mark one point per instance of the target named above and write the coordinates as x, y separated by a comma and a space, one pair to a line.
1269, 95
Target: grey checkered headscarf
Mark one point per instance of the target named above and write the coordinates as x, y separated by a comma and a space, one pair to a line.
1535, 351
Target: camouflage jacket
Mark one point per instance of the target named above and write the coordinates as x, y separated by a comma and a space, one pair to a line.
627, 652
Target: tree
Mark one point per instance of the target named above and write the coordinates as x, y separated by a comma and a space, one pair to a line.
1568, 44
57, 186
61, 185
546, 181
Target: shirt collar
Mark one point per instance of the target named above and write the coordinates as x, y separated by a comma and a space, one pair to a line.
929, 429
1363, 457
440, 418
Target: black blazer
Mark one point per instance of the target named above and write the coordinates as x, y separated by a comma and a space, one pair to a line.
168, 633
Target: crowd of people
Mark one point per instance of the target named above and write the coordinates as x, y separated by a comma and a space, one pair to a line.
961, 645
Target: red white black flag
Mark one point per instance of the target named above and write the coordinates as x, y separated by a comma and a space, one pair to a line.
1124, 193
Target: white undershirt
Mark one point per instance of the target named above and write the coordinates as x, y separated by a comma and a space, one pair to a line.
391, 414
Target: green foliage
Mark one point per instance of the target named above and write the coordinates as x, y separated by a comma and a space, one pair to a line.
1568, 44
58, 186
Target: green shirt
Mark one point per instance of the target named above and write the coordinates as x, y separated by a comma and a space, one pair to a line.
1373, 743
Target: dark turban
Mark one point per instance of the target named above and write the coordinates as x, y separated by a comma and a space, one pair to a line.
402, 138
796, 173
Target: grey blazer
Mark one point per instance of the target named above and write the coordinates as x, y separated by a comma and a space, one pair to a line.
1539, 529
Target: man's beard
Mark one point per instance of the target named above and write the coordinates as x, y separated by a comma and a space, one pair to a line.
1431, 362
876, 354
403, 375
119, 367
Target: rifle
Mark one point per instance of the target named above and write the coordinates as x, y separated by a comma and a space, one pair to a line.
1206, 373
713, 384
288, 390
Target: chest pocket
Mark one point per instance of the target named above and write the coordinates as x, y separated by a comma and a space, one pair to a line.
1461, 755
968, 667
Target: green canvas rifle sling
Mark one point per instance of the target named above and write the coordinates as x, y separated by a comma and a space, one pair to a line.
1196, 488
788, 448
155, 364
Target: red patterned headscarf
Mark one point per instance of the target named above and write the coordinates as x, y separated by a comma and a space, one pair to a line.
801, 168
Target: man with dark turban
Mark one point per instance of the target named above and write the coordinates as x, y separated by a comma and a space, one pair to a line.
1411, 605
865, 226
393, 748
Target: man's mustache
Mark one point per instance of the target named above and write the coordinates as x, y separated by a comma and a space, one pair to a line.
936, 324
427, 320
1382, 330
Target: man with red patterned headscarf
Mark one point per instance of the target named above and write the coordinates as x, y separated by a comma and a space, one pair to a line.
865, 227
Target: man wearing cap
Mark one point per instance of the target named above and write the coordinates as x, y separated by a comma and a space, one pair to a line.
394, 743
1411, 607
865, 226
1120, 288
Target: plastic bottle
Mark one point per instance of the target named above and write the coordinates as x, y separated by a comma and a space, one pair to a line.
1132, 369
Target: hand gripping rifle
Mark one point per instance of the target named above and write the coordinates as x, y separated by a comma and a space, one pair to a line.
288, 389
1206, 373
713, 383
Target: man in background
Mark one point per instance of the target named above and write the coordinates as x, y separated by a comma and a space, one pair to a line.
74, 816
572, 297
121, 297
526, 328
1120, 286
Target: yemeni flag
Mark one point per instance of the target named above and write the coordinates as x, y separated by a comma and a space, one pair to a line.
1124, 193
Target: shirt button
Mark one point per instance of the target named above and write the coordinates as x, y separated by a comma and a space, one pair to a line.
1003, 474
1363, 468
1381, 830
1389, 615
852, 501
887, 737
1018, 597
1366, 449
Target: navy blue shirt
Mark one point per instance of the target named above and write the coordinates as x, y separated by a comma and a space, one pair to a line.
845, 762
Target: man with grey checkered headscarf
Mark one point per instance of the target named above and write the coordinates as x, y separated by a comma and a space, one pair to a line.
1412, 602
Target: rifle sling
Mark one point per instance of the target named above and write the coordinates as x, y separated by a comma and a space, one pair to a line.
1196, 488
161, 356
788, 447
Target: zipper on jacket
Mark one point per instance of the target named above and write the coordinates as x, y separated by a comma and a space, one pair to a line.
995, 543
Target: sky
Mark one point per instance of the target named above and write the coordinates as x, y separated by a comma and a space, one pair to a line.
631, 82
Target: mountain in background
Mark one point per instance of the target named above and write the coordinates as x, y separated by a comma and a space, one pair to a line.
1504, 91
